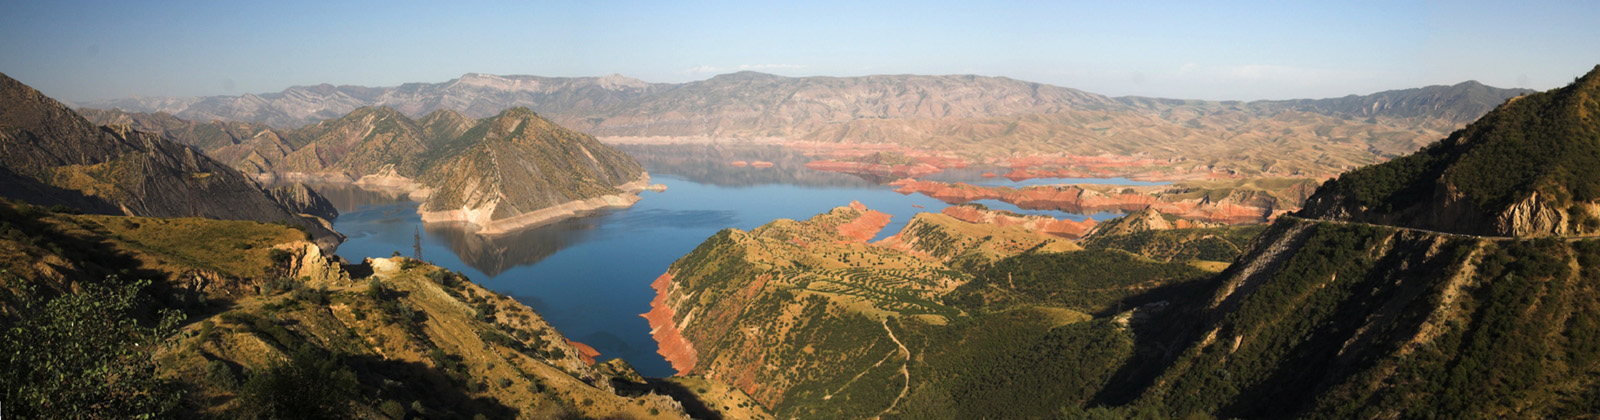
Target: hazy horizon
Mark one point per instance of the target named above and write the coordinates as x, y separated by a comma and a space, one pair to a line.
81, 103
83, 51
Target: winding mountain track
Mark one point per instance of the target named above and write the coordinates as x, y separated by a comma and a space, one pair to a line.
1568, 238
904, 370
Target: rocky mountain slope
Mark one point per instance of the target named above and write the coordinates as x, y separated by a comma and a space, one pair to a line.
50, 155
1529, 168
504, 172
518, 169
144, 317
977, 117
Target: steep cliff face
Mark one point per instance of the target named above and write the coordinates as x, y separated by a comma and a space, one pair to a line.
299, 198
50, 155
1528, 168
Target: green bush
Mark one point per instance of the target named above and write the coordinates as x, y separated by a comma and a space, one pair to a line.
84, 355
393, 409
220, 375
311, 385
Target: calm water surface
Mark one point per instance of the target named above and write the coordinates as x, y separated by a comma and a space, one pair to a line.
590, 277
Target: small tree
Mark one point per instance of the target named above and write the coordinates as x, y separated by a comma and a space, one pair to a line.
312, 385
375, 289
393, 409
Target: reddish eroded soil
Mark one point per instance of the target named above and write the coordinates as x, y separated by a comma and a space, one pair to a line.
585, 352
677, 350
1076, 199
864, 228
1103, 166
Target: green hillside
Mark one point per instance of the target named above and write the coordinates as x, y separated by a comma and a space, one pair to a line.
1530, 167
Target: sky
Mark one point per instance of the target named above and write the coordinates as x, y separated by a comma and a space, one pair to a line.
82, 51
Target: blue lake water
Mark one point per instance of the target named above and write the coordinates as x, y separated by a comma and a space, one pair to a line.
590, 276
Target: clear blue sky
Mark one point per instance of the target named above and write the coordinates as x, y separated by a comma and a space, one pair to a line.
86, 50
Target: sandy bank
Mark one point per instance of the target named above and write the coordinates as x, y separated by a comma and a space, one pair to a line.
489, 226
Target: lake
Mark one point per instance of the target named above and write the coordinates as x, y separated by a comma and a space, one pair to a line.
590, 276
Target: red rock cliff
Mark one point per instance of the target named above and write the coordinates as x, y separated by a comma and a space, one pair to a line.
585, 352
864, 228
663, 327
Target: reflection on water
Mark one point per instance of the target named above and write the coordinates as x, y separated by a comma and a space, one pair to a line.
975, 176
493, 255
590, 276
347, 197
713, 164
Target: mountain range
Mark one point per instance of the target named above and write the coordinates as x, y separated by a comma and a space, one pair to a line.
977, 117
510, 170
51, 156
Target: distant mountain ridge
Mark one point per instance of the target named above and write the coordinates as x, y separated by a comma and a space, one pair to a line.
474, 94
480, 95
50, 155
515, 168
974, 116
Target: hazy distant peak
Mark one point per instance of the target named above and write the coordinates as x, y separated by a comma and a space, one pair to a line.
495, 82
747, 75
616, 81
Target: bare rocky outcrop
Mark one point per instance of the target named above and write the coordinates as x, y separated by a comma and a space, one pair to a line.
299, 198
311, 265
1532, 217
